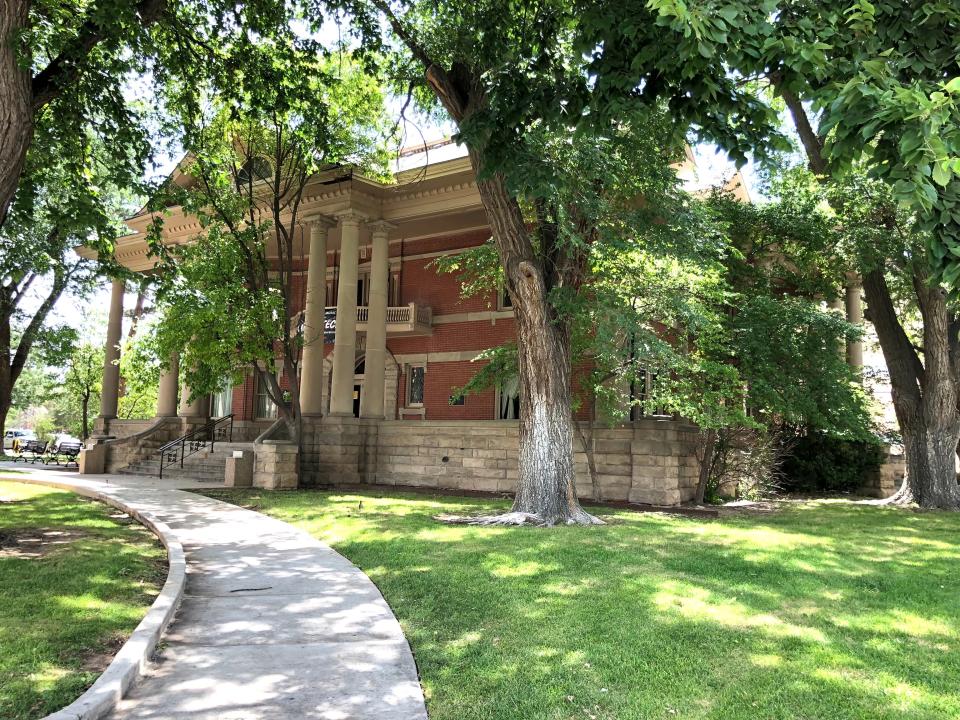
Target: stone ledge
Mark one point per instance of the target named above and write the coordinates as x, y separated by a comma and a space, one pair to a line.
129, 663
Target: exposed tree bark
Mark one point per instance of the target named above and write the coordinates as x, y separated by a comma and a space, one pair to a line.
16, 114
85, 417
546, 480
812, 143
546, 492
706, 464
136, 316
925, 393
586, 441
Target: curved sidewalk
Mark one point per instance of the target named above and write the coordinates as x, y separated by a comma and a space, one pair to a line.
273, 623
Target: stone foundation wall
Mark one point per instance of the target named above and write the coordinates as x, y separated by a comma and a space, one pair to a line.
121, 428
275, 465
887, 480
649, 461
128, 449
249, 430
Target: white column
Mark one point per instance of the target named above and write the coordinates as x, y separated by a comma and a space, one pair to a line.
855, 317
311, 374
167, 390
345, 342
198, 409
371, 402
111, 353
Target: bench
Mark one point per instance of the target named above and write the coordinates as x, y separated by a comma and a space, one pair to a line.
69, 451
36, 449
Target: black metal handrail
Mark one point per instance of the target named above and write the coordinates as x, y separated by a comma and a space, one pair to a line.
176, 451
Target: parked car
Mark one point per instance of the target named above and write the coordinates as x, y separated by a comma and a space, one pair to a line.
65, 438
14, 434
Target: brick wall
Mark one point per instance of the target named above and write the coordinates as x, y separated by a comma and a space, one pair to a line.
421, 283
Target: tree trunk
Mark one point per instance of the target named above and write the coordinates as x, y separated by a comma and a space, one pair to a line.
546, 482
6, 400
706, 463
546, 492
931, 479
924, 395
16, 101
84, 415
586, 440
6, 376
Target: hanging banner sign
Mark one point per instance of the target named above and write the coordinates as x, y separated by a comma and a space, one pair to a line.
329, 325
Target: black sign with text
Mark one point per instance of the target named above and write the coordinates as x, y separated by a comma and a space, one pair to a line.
329, 324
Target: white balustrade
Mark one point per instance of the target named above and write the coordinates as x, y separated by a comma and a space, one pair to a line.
406, 315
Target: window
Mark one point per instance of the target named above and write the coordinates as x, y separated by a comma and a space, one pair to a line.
393, 289
265, 408
458, 400
221, 403
504, 301
256, 169
415, 379
642, 389
508, 405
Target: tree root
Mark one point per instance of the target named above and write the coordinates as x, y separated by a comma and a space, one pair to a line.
903, 496
517, 518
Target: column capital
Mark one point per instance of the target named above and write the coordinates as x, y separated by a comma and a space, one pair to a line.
351, 217
320, 221
378, 227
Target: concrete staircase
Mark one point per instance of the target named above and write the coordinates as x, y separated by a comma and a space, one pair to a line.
203, 465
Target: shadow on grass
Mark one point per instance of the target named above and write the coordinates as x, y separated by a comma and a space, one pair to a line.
74, 601
820, 611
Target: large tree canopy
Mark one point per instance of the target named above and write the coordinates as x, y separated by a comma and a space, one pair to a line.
508, 75
884, 80
229, 300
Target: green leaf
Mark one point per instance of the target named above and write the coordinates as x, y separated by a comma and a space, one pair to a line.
942, 174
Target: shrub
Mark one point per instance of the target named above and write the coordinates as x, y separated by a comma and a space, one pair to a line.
817, 462
746, 465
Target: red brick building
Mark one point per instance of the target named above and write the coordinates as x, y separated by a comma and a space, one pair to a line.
388, 339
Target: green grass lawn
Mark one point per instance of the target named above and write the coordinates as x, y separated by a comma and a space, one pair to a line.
66, 605
822, 610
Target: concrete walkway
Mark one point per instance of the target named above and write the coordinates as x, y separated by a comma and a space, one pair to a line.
273, 624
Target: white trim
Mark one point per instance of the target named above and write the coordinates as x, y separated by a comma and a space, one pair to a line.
475, 316
423, 358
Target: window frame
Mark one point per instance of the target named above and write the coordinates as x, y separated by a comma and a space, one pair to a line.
409, 384
260, 391
226, 391
498, 404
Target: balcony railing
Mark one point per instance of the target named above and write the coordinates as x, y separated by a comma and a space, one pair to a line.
411, 319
